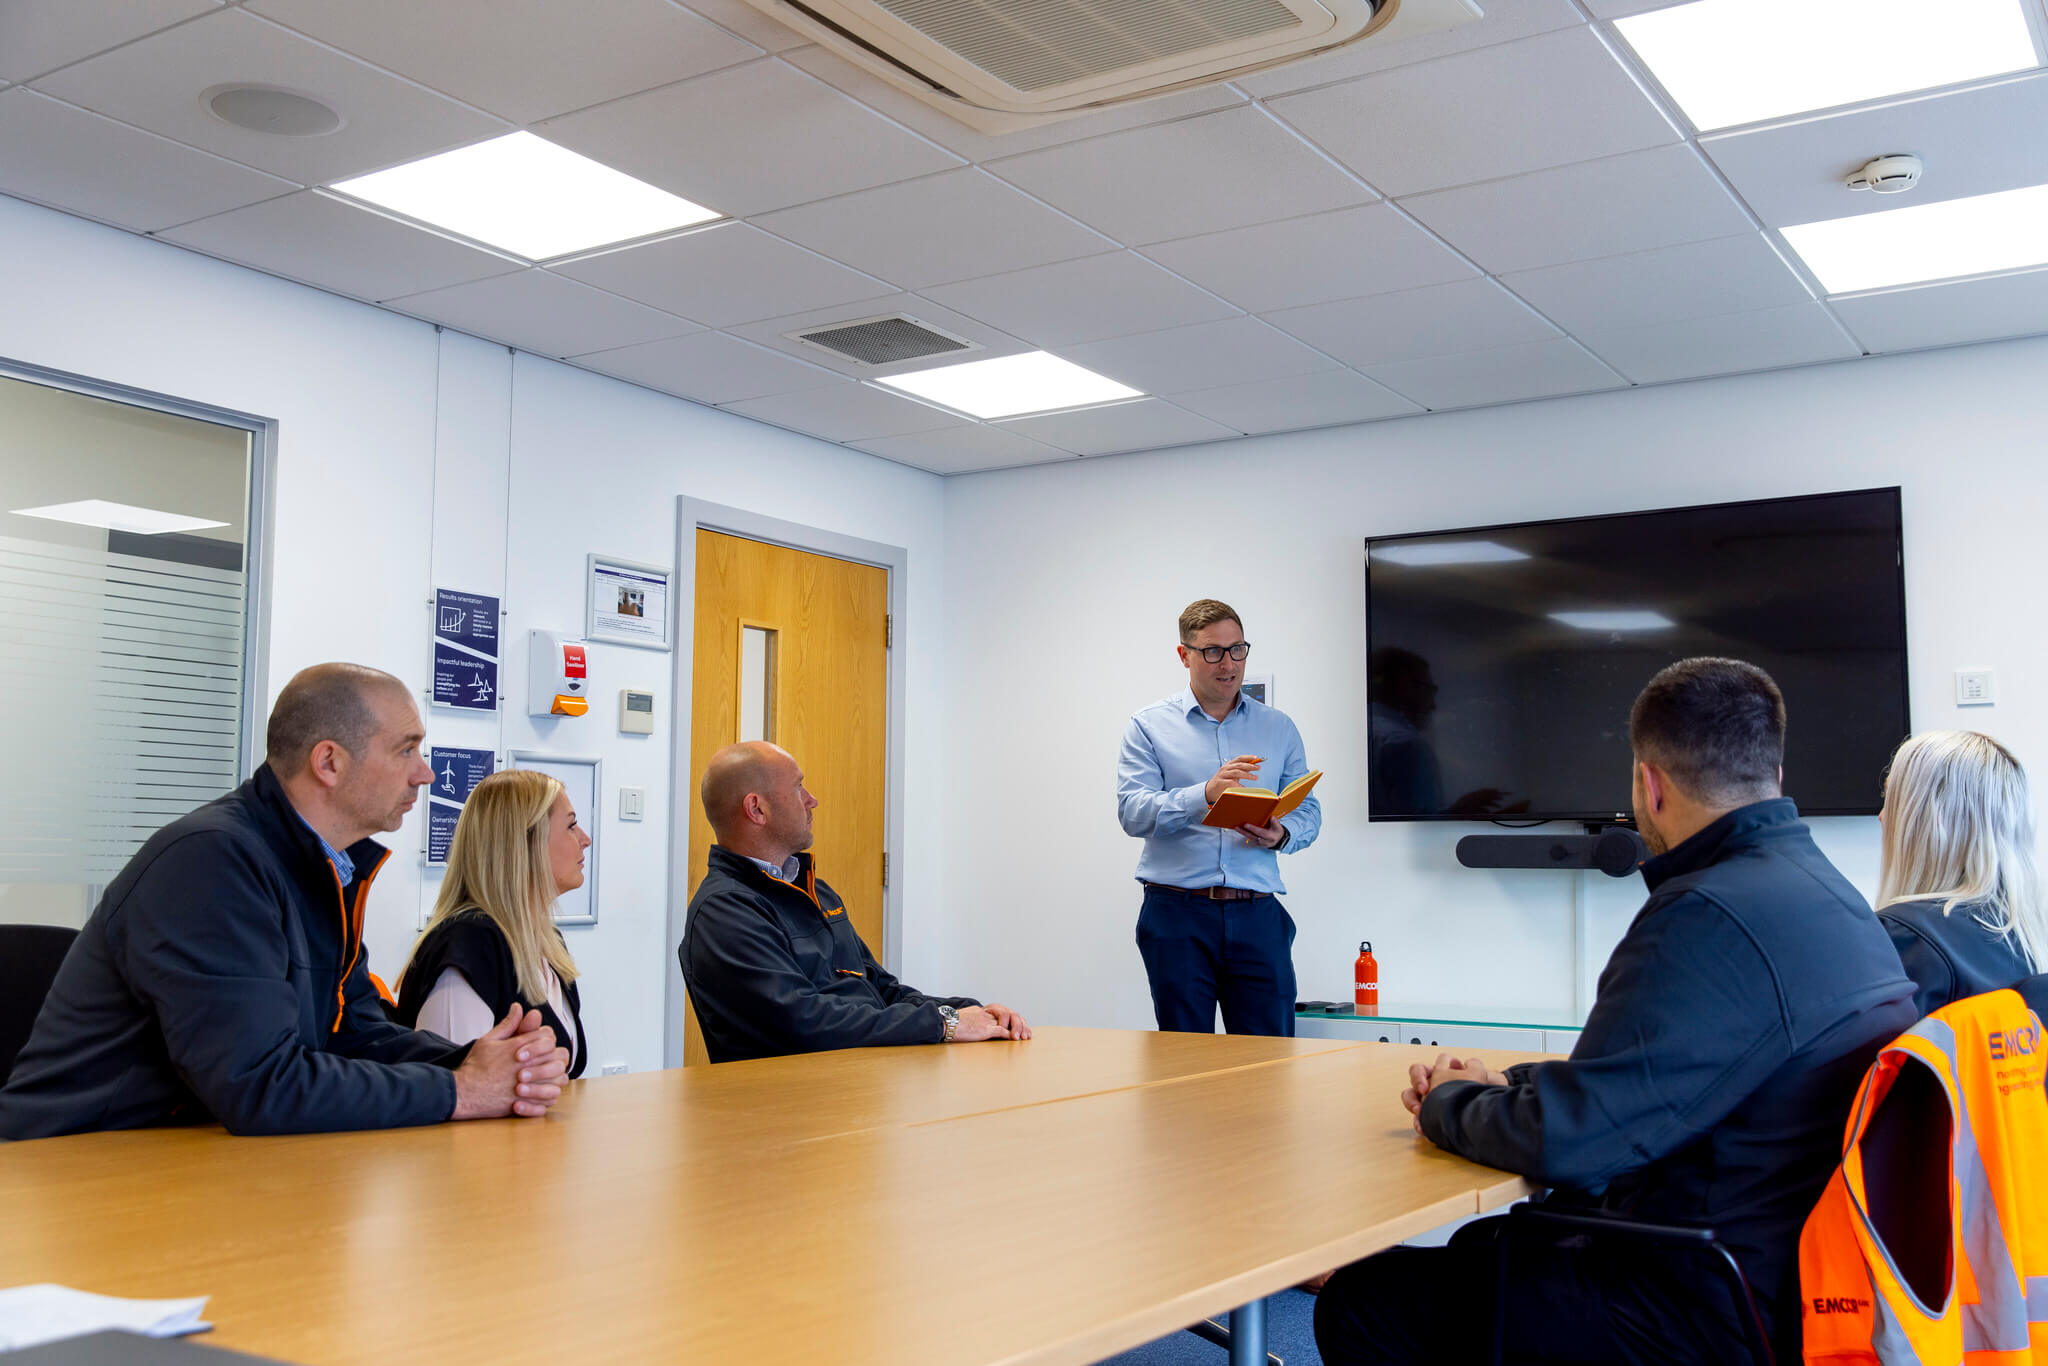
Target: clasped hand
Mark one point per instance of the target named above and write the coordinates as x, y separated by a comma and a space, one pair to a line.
1422, 1076
516, 1069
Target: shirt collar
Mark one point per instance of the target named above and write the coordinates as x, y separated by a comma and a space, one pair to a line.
1707, 846
1189, 706
785, 872
344, 866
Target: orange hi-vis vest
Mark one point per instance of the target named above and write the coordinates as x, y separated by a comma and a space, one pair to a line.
1930, 1245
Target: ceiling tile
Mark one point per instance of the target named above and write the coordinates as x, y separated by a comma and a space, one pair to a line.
952, 226
739, 17
958, 450
709, 367
543, 313
156, 84
1199, 175
41, 35
1693, 280
1761, 340
1341, 255
726, 273
1504, 21
1971, 142
308, 236
771, 332
749, 139
1631, 202
521, 59
1534, 370
1499, 111
1182, 359
948, 132
1470, 315
1622, 9
847, 412
1082, 301
1324, 399
1940, 315
1141, 424
74, 160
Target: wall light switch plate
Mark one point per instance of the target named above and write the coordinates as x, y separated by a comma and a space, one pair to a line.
1976, 688
632, 803
613, 1069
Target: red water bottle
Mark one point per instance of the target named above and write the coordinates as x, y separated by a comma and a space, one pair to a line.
1368, 975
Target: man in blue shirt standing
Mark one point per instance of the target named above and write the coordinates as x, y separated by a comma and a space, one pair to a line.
1212, 930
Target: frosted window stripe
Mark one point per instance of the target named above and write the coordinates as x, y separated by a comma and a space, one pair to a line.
147, 724
757, 681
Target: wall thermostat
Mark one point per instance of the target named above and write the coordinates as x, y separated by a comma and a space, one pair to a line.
636, 712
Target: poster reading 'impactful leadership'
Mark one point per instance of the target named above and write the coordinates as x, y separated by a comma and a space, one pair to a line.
465, 650
456, 774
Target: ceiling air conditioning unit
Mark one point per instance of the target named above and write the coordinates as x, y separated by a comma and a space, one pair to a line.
1001, 65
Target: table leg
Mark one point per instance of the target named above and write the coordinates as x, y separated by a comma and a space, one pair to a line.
1248, 1334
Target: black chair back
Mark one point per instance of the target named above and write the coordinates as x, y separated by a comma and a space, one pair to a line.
29, 958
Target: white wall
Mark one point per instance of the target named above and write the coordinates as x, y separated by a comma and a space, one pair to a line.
536, 464
1065, 581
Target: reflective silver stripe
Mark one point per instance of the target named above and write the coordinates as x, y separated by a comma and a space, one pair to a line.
2037, 1299
1887, 1339
1998, 1322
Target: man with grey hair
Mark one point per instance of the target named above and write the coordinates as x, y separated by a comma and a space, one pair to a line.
222, 976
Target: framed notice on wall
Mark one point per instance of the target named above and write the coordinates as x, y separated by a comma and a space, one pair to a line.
626, 602
582, 779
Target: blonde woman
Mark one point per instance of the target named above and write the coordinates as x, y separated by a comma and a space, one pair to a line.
492, 939
1957, 887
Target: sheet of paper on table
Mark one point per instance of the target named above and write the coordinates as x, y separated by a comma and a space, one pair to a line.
32, 1314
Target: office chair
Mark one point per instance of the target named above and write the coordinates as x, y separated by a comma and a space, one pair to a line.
1534, 1217
29, 957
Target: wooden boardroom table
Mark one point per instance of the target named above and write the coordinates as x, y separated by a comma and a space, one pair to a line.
1054, 1201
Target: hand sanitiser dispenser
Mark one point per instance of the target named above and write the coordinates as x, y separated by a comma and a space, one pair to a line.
558, 675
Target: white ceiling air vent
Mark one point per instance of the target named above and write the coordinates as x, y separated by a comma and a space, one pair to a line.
884, 340
1001, 65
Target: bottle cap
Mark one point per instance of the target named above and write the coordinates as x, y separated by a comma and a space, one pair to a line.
1365, 946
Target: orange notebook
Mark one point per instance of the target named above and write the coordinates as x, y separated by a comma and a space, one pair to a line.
1259, 805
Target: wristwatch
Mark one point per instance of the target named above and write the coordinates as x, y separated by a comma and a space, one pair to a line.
952, 1019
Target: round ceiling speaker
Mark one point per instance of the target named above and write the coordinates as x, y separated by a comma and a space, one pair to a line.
266, 109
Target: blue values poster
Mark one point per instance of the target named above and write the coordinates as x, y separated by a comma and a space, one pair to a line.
456, 774
465, 650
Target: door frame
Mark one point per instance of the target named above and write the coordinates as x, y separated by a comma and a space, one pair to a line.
694, 515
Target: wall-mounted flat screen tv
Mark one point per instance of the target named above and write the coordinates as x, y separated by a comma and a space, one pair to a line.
1501, 661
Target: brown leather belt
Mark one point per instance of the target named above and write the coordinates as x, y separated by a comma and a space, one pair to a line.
1212, 893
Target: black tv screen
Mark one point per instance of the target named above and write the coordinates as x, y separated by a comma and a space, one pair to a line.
1501, 661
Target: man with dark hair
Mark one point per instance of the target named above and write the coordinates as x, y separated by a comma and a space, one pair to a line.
772, 963
1211, 928
1709, 1088
222, 976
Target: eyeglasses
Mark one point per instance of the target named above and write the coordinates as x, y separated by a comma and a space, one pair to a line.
1214, 653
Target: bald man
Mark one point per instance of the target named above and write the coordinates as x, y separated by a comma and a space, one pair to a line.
222, 976
773, 964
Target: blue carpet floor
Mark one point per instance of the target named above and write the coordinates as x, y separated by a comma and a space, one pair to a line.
1290, 1335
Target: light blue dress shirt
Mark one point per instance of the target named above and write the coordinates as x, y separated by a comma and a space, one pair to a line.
344, 866
1171, 750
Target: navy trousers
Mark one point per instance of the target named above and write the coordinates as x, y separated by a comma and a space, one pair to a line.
1200, 954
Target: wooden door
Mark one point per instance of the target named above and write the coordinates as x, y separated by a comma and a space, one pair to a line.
822, 625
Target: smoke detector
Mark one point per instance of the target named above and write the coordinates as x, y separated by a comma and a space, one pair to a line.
1001, 65
1886, 175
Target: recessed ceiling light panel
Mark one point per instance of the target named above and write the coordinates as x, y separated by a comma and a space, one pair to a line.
98, 512
1010, 386
525, 195
1614, 621
1449, 552
1730, 62
1953, 237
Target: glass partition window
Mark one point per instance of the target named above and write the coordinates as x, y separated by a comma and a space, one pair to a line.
123, 590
